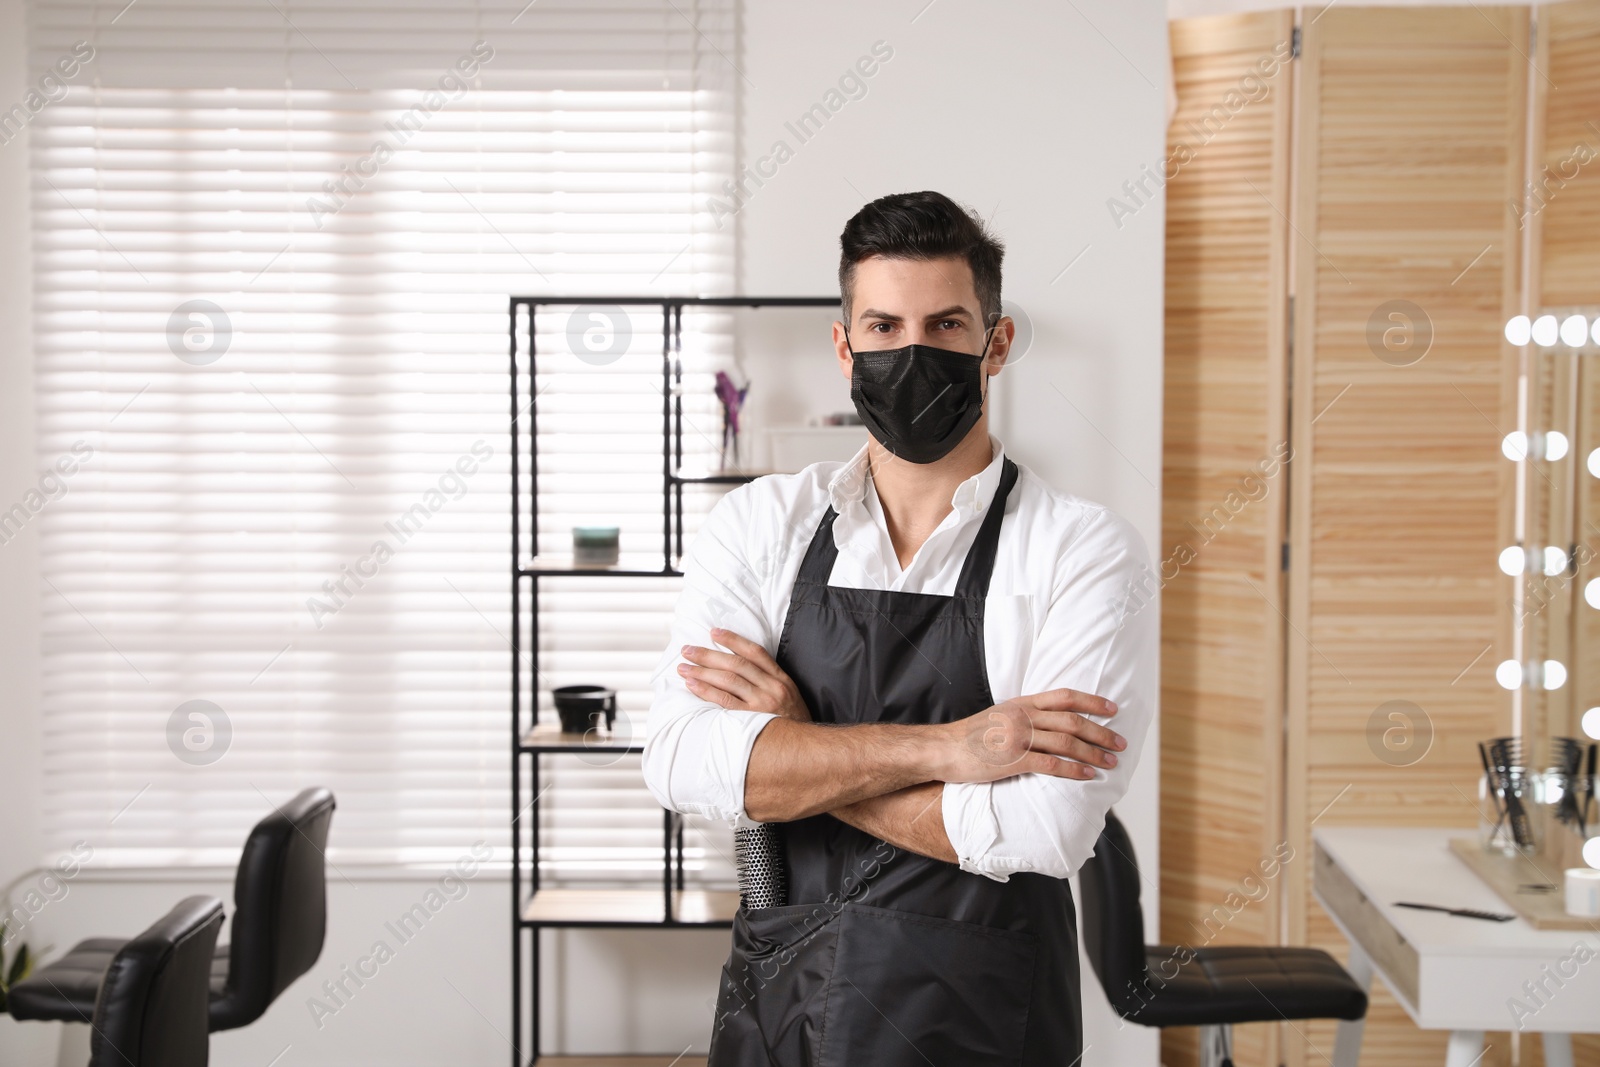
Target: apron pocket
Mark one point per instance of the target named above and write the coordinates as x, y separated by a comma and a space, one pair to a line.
769, 1009
910, 990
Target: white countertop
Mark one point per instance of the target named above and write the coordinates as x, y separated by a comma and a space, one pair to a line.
1390, 864
1472, 974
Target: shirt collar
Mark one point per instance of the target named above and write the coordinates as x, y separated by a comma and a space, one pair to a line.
971, 497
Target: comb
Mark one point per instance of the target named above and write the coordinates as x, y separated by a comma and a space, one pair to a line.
1465, 913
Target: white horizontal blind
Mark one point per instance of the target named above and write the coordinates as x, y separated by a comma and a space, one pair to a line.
292, 501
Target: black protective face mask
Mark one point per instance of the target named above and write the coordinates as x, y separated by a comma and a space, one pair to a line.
918, 401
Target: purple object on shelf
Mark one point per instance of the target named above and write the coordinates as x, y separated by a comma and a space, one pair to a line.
732, 398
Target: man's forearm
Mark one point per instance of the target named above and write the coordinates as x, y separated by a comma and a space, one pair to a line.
799, 769
911, 818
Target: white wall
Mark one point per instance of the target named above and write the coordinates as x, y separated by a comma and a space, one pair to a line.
1024, 110
1034, 117
19, 558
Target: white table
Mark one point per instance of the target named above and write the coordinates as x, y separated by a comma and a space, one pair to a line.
1450, 973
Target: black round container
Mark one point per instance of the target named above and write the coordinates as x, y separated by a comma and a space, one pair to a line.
585, 707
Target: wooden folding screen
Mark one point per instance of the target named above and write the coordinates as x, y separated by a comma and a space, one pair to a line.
1227, 174
1411, 124
1350, 687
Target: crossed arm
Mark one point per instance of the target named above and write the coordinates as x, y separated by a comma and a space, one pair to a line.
888, 779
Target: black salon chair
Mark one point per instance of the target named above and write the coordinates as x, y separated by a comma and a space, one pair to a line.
279, 920
1209, 987
151, 1009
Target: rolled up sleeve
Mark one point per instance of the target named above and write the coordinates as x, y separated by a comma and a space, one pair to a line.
695, 751
1094, 638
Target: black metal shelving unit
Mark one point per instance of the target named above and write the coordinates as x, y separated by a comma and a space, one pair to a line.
674, 906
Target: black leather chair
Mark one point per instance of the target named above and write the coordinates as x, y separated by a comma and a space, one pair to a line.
1212, 987
279, 921
151, 1009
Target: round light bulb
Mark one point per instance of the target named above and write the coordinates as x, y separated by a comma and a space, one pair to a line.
1594, 331
1514, 446
1591, 592
1555, 561
1591, 723
1513, 560
1545, 331
1594, 457
1591, 852
1509, 674
1574, 331
1555, 674
1519, 329
1556, 445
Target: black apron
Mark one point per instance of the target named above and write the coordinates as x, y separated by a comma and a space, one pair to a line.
884, 958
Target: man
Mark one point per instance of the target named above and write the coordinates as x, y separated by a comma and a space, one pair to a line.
919, 650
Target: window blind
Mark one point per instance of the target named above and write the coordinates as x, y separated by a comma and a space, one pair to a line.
273, 247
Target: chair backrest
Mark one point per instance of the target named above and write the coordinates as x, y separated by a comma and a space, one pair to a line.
280, 914
1113, 924
151, 1009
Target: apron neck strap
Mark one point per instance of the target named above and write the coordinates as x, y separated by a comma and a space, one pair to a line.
817, 566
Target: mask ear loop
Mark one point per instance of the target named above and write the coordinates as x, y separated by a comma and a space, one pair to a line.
988, 335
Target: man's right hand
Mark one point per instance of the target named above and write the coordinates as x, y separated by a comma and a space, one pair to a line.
1044, 733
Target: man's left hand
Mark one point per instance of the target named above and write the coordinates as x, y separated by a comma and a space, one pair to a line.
745, 677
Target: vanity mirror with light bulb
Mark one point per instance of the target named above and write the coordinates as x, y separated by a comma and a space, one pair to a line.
1552, 576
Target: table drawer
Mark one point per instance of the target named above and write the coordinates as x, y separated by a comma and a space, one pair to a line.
1391, 952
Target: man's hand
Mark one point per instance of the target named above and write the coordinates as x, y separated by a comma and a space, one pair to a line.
1044, 733
745, 677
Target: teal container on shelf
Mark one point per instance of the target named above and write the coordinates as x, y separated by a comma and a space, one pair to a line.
594, 546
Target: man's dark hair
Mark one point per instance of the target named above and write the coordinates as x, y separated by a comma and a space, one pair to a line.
925, 225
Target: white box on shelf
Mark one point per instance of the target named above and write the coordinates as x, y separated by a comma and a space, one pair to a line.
793, 447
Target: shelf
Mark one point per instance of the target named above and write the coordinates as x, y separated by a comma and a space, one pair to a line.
628, 565
694, 477
686, 301
629, 907
548, 738
622, 1061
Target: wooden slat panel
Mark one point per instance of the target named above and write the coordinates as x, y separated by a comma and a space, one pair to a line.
1223, 489
1562, 211
1410, 125
1568, 206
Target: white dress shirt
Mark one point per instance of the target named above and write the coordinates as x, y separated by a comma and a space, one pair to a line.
1058, 614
